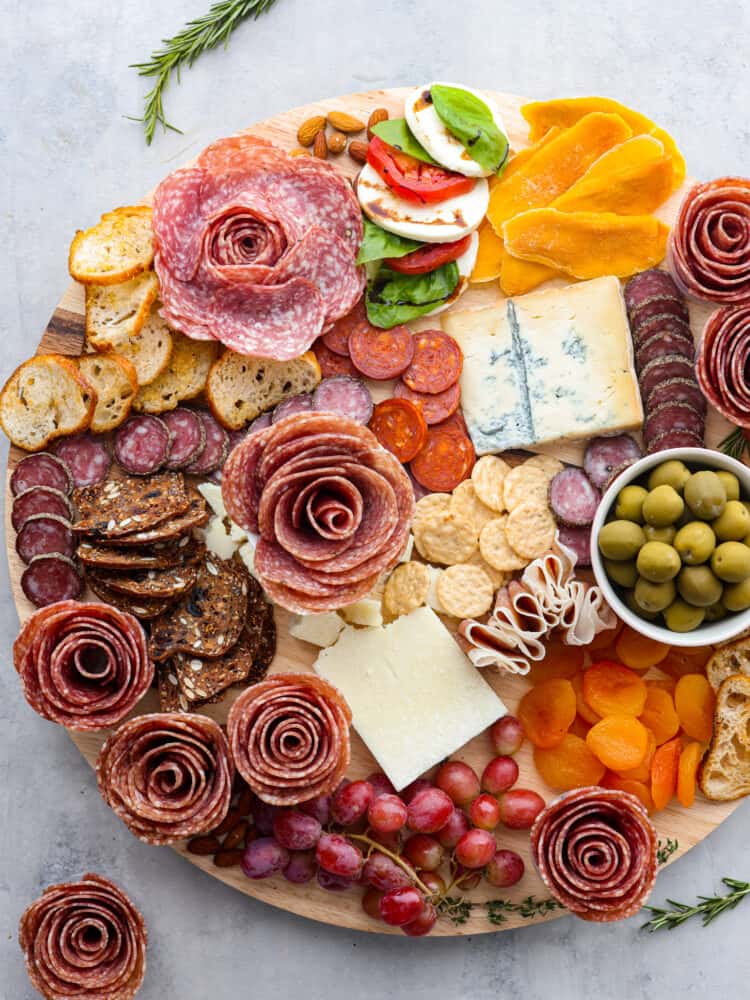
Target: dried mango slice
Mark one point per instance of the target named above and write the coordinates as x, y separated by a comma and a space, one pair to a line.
664, 769
687, 773
517, 277
523, 155
547, 711
611, 689
638, 651
587, 244
568, 765
619, 741
637, 788
659, 715
489, 255
695, 700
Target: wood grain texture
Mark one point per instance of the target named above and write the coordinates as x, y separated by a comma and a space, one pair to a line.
65, 333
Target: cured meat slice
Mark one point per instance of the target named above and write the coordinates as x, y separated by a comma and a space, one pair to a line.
127, 506
39, 500
661, 324
85, 666
188, 437
336, 337
446, 459
289, 737
300, 403
709, 245
142, 444
381, 354
674, 439
86, 940
434, 406
216, 449
605, 454
41, 469
662, 368
648, 285
332, 363
723, 363
51, 578
595, 850
86, 457
661, 344
400, 427
345, 396
436, 364
676, 390
45, 534
167, 776
573, 498
672, 417
659, 305
578, 540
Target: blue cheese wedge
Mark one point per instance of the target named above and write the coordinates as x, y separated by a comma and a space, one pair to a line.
415, 698
549, 366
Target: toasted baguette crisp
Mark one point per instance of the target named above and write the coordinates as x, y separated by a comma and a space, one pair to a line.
148, 351
725, 771
240, 388
734, 658
46, 397
115, 383
184, 377
117, 312
118, 247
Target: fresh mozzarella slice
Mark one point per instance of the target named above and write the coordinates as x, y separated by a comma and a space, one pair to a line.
443, 222
431, 133
466, 263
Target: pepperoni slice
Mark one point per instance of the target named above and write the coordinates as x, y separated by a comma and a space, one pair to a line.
434, 407
447, 457
336, 338
331, 363
437, 362
381, 354
400, 427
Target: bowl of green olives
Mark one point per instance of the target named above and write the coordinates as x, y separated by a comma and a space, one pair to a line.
671, 546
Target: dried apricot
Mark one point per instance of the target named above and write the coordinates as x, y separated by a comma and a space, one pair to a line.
607, 638
619, 741
664, 683
664, 772
585, 712
659, 714
679, 662
687, 772
637, 788
547, 711
638, 651
579, 727
695, 700
560, 660
611, 689
643, 771
568, 765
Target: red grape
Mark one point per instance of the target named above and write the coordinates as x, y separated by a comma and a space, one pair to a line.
506, 735
500, 774
519, 808
418, 785
371, 903
263, 817
484, 812
263, 857
476, 848
382, 872
391, 840
422, 924
319, 807
301, 867
387, 813
505, 869
296, 830
429, 810
434, 882
338, 856
351, 802
381, 785
401, 906
450, 834
333, 883
423, 852
458, 781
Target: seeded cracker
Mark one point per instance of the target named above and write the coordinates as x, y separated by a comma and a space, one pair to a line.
163, 555
525, 484
488, 476
171, 698
196, 515
153, 583
465, 591
465, 501
445, 537
407, 588
495, 548
499, 578
550, 466
122, 506
143, 608
530, 530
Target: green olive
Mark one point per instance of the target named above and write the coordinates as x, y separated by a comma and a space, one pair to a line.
653, 597
624, 574
629, 599
683, 617
695, 542
621, 540
698, 586
733, 524
662, 506
746, 540
705, 495
671, 473
629, 506
659, 534
715, 612
731, 484
731, 562
746, 505
736, 596
658, 562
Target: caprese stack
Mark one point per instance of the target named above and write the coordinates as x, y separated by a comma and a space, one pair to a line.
424, 192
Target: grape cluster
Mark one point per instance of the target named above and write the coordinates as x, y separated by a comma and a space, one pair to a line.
395, 845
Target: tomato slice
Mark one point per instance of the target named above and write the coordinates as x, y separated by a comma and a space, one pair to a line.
429, 257
411, 178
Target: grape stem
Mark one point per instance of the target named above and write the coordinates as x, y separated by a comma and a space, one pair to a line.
363, 838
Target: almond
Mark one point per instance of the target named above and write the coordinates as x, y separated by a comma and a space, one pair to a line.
378, 115
227, 823
320, 146
336, 142
236, 836
344, 122
228, 859
309, 129
203, 845
358, 150
299, 151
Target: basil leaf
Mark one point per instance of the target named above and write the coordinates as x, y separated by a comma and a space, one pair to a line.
470, 120
378, 243
395, 298
397, 133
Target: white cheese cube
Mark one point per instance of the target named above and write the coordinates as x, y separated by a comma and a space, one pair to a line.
319, 630
365, 612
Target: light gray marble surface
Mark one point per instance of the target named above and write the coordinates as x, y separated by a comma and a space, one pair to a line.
68, 153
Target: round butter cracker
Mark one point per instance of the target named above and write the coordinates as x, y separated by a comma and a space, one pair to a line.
465, 501
499, 578
445, 537
465, 591
525, 484
549, 465
495, 548
530, 530
488, 476
407, 588
432, 503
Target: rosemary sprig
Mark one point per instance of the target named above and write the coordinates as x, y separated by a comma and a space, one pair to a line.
708, 908
198, 36
734, 444
665, 850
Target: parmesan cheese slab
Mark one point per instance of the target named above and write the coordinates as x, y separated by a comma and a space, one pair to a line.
415, 698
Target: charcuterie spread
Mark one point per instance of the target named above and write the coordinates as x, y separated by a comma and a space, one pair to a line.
401, 570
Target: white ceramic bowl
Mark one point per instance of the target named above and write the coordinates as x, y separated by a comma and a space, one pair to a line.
710, 633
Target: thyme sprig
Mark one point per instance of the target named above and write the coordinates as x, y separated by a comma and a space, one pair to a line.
665, 850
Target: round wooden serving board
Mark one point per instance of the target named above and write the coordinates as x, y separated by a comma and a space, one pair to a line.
65, 334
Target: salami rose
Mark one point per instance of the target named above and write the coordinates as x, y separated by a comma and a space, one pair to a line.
289, 736
84, 665
84, 940
595, 849
723, 364
167, 776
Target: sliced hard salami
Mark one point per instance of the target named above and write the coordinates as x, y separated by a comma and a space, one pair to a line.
434, 407
381, 354
676, 390
142, 444
45, 534
658, 305
447, 457
87, 458
216, 449
605, 454
573, 498
648, 285
332, 363
336, 337
672, 417
188, 437
39, 500
51, 578
662, 368
675, 439
662, 344
663, 323
579, 541
348, 397
300, 403
41, 469
615, 474
723, 363
437, 362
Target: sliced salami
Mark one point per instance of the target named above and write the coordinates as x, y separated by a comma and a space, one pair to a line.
648, 285
216, 449
675, 439
662, 344
447, 457
336, 337
578, 540
43, 535
348, 397
39, 500
660, 369
605, 454
51, 578
41, 469
300, 403
381, 354
434, 407
437, 362
676, 390
87, 458
658, 305
332, 363
663, 323
188, 437
672, 417
573, 498
142, 444
723, 363
615, 474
